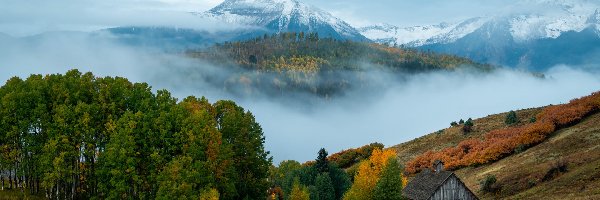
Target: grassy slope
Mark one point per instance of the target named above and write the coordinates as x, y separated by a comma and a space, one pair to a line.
453, 135
7, 194
520, 175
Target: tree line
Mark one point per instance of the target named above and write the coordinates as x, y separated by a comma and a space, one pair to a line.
266, 52
77, 136
380, 176
326, 67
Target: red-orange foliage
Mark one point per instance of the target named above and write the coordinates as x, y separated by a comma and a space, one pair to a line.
349, 157
502, 142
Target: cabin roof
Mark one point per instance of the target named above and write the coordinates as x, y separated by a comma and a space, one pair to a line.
425, 184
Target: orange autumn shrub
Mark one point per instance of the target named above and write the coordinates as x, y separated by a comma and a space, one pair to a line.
500, 143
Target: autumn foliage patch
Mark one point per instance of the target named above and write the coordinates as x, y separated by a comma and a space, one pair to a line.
500, 143
349, 157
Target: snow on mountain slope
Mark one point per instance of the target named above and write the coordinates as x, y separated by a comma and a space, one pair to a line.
569, 16
282, 16
545, 19
386, 33
421, 35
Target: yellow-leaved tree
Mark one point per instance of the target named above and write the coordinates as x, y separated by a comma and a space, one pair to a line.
369, 172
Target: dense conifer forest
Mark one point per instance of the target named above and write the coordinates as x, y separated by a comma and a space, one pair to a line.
287, 63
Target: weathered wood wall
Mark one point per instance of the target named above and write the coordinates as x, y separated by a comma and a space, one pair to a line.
453, 189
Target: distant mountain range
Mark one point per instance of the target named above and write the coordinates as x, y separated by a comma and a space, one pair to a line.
531, 40
535, 40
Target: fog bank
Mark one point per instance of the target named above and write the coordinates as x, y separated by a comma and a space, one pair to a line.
399, 109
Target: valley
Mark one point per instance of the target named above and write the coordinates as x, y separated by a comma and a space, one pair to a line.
299, 99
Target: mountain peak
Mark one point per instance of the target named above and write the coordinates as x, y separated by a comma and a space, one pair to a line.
276, 16
235, 6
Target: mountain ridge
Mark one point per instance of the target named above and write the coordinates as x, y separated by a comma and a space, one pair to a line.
278, 16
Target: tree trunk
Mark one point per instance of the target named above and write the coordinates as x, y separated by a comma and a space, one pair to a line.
16, 180
10, 179
37, 184
56, 193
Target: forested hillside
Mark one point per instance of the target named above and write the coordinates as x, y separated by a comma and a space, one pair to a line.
299, 62
77, 136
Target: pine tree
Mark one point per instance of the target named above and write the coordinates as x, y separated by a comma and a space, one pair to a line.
468, 126
322, 164
324, 187
389, 186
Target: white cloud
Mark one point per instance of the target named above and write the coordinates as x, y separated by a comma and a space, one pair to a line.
21, 18
402, 110
423, 104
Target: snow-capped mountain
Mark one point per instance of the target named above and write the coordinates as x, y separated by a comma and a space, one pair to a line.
421, 35
539, 35
549, 19
275, 16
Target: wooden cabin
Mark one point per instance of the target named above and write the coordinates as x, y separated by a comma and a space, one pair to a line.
437, 185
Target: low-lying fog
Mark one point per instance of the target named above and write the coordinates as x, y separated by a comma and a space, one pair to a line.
400, 111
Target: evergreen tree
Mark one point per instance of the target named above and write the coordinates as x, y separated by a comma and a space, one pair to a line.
324, 187
511, 118
468, 126
469, 122
389, 186
322, 165
341, 180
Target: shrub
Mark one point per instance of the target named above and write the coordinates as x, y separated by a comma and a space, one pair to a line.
531, 183
520, 148
532, 120
487, 184
453, 124
511, 118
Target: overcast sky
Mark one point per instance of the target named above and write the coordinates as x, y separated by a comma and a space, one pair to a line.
407, 12
27, 17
